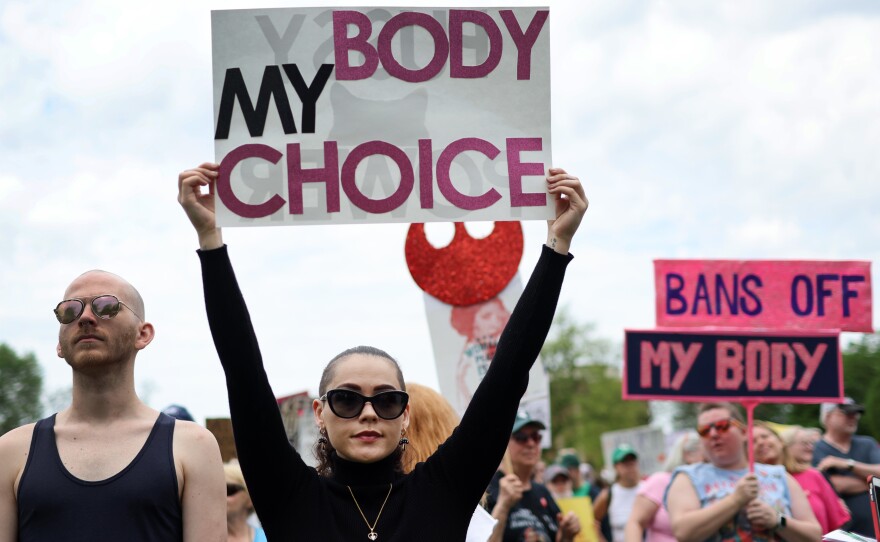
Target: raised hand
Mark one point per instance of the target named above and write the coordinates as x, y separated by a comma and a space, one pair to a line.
571, 204
198, 205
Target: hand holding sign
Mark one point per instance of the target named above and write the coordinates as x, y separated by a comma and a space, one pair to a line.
571, 205
761, 515
199, 206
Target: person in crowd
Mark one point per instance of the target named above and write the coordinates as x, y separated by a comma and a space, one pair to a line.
431, 421
770, 449
239, 507
108, 467
525, 510
559, 482
580, 484
616, 501
649, 520
722, 501
358, 488
799, 443
848, 459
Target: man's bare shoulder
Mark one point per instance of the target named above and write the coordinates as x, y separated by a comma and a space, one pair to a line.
14, 448
192, 439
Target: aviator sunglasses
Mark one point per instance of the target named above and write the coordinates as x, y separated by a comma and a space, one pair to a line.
388, 405
722, 426
103, 306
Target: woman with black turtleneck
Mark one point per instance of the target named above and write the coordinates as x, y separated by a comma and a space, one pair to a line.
358, 491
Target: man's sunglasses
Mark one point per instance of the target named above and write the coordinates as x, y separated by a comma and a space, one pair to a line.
232, 489
522, 438
721, 426
103, 306
388, 405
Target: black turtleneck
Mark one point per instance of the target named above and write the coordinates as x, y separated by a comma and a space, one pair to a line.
432, 503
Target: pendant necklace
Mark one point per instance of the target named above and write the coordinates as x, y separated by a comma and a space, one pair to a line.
373, 534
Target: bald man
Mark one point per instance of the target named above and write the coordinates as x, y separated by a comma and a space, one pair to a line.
108, 467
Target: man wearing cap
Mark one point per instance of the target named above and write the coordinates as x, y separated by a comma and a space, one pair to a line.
848, 459
558, 481
616, 501
525, 510
580, 486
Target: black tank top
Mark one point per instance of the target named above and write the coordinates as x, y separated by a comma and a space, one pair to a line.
140, 503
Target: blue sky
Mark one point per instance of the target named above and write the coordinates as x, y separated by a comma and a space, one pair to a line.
701, 130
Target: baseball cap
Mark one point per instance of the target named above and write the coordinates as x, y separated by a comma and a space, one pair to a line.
555, 470
523, 419
848, 405
622, 452
178, 412
570, 461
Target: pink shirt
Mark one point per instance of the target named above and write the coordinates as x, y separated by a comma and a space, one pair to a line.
823, 500
659, 530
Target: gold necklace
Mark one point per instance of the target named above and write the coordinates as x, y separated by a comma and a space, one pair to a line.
373, 534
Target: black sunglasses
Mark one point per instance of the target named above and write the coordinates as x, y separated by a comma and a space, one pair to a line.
232, 489
522, 438
388, 405
103, 306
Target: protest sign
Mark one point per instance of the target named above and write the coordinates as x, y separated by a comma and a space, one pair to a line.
740, 366
764, 294
648, 442
464, 340
364, 115
583, 509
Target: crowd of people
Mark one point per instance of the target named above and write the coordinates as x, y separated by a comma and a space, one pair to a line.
393, 460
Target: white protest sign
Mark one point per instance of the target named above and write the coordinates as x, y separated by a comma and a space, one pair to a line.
464, 341
365, 115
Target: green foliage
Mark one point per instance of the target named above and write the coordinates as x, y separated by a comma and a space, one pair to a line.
585, 389
20, 385
861, 381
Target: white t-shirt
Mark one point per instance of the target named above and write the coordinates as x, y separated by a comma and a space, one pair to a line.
622, 499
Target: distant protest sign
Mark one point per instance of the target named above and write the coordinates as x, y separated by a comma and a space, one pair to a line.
740, 366
764, 294
386, 114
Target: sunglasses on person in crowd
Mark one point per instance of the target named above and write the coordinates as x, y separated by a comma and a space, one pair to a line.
721, 426
522, 438
232, 489
103, 306
388, 405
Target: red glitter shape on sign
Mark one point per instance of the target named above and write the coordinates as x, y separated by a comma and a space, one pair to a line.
467, 270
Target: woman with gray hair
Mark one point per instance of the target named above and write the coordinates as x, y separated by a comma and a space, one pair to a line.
649, 518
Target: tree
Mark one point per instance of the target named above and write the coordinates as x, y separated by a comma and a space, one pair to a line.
585, 389
20, 385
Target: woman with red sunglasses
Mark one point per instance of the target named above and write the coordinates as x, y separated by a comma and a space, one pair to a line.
359, 490
722, 501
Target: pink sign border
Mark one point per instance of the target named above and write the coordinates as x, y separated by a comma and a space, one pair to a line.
737, 333
659, 315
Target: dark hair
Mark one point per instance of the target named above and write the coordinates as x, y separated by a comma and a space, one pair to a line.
323, 451
729, 407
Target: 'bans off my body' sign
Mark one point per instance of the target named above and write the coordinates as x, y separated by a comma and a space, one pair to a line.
782, 294
733, 366
381, 115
